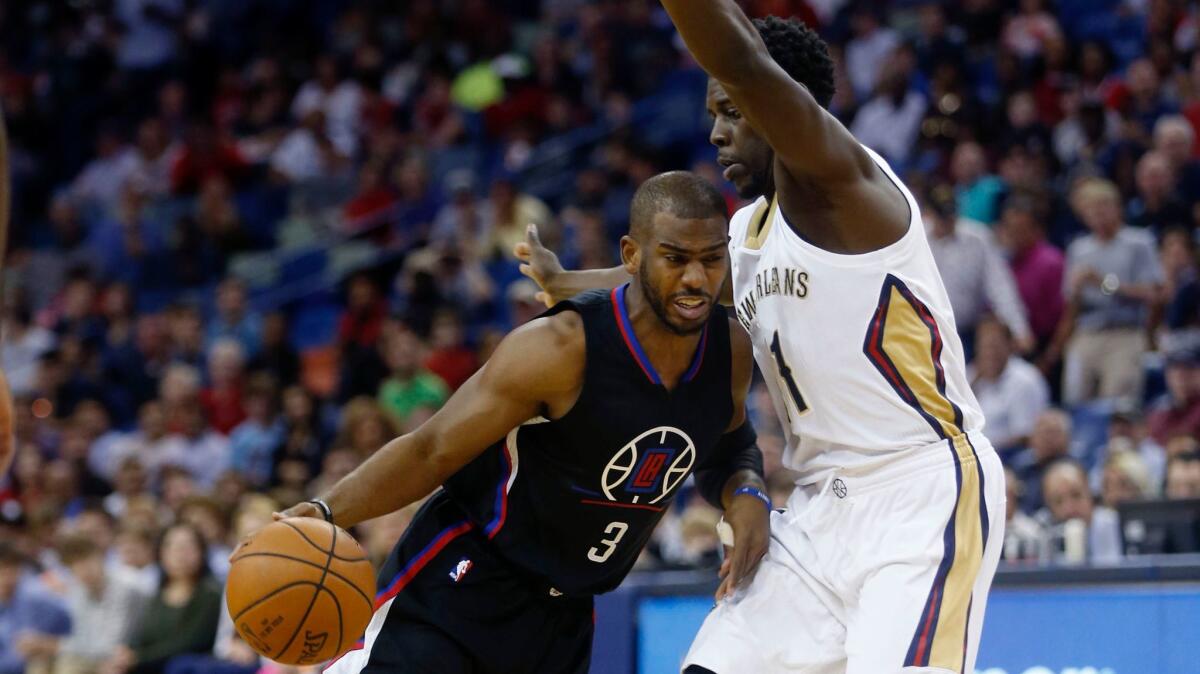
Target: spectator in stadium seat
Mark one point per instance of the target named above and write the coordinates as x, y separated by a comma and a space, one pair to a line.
409, 385
203, 156
359, 331
234, 318
1024, 537
976, 191
1125, 477
253, 443
889, 121
449, 356
1049, 442
212, 521
1178, 413
222, 398
1183, 477
1012, 393
134, 556
24, 343
507, 213
202, 452
182, 616
130, 483
1157, 206
1035, 263
1177, 250
1027, 33
364, 427
104, 607
867, 51
1113, 281
1069, 498
1127, 430
1175, 138
276, 356
975, 274
31, 618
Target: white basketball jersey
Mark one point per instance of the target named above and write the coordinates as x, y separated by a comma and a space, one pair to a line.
860, 352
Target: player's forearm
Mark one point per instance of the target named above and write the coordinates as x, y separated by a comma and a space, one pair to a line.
570, 283
403, 471
720, 37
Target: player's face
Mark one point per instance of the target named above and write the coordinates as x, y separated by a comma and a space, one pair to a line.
681, 268
745, 156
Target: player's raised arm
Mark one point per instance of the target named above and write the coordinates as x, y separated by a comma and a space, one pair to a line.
809, 141
536, 371
541, 264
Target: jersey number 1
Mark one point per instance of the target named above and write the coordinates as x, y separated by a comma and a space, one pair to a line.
785, 376
616, 531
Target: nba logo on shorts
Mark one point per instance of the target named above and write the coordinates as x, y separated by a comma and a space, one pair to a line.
461, 570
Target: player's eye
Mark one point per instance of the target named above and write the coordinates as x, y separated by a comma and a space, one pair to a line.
713, 259
674, 259
732, 113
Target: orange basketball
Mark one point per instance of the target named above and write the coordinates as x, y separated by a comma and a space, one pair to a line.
300, 591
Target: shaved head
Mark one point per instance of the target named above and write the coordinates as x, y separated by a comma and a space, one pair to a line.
684, 195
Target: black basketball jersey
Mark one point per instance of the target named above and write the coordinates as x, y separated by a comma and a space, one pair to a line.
574, 500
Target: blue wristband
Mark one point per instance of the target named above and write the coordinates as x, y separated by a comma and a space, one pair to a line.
756, 493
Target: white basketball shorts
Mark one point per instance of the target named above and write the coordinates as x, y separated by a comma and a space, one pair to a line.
873, 572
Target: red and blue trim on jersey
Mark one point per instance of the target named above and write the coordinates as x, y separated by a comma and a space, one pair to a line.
414, 566
635, 348
501, 507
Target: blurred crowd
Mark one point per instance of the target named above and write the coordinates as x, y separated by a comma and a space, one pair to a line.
171, 393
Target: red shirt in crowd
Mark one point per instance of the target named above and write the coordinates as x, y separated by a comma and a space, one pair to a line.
1169, 422
223, 408
1039, 274
455, 365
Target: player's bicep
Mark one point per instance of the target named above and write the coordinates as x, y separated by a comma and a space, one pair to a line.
534, 368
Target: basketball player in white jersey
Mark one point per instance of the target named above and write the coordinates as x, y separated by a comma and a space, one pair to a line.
883, 558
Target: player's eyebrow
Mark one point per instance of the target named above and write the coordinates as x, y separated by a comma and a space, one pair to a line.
691, 251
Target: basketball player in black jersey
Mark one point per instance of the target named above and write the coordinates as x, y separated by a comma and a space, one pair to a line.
558, 458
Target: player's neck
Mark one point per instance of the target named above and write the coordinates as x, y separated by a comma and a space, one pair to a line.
669, 352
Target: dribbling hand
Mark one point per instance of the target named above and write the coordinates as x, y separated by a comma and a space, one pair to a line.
539, 263
750, 520
299, 510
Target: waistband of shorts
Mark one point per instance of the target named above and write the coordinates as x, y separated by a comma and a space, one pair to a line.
901, 466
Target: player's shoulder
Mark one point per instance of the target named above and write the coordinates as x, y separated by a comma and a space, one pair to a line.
741, 352
559, 331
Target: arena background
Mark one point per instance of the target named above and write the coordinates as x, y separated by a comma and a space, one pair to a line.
252, 240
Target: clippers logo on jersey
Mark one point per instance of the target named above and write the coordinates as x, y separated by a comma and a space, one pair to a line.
649, 467
461, 570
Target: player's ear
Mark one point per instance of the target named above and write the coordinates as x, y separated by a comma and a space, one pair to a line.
631, 254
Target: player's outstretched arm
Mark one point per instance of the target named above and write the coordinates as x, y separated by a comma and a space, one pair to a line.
537, 370
809, 141
541, 264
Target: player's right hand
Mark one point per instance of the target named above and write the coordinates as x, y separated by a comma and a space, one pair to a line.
304, 509
540, 264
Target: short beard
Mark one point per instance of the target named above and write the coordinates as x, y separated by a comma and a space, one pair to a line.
655, 300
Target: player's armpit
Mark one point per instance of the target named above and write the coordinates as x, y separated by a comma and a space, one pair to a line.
537, 370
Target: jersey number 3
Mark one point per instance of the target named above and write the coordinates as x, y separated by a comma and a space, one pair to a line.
615, 531
786, 381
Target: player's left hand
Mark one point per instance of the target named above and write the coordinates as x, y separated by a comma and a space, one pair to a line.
750, 520
304, 509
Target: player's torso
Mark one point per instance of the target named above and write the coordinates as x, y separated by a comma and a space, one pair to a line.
576, 499
860, 351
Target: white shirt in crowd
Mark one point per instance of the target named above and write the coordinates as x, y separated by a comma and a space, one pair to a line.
1012, 402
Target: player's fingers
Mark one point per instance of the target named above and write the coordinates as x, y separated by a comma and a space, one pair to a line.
531, 236
544, 297
527, 270
522, 251
723, 572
